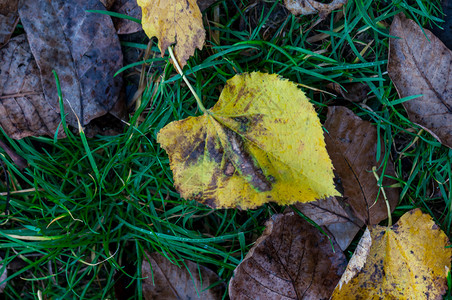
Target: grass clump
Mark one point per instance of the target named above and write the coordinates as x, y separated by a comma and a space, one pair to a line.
85, 210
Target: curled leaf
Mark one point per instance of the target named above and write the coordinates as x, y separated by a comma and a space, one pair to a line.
261, 142
309, 7
174, 22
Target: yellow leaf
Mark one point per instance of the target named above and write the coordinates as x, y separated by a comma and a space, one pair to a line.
174, 21
261, 142
407, 261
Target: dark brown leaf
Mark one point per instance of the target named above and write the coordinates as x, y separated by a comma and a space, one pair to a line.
352, 146
204, 4
8, 19
23, 109
129, 8
82, 48
331, 213
164, 280
291, 260
420, 66
353, 91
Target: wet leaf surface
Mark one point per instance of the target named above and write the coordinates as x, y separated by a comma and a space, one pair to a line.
420, 66
82, 48
164, 280
9, 17
262, 142
398, 262
178, 21
24, 111
291, 260
309, 7
352, 146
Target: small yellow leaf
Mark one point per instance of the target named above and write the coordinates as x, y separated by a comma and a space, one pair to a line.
261, 142
407, 261
174, 21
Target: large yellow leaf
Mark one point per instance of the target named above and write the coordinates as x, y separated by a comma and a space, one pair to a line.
174, 21
407, 261
261, 142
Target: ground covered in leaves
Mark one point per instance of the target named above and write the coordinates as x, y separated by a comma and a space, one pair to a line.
95, 208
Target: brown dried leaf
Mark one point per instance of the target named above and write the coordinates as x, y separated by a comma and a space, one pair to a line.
204, 4
23, 109
420, 66
309, 7
353, 91
82, 48
164, 280
129, 8
331, 213
352, 146
8, 19
291, 260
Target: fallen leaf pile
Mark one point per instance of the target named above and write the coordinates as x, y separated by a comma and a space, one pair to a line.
262, 142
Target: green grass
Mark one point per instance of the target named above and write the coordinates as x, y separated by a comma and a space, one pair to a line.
96, 204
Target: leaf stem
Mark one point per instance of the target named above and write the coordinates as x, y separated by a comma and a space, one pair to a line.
176, 64
374, 170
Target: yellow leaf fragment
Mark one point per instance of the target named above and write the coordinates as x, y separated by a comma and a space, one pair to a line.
407, 261
262, 142
174, 21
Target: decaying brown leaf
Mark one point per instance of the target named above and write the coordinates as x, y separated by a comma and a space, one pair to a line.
164, 280
24, 111
422, 64
291, 260
84, 50
177, 21
129, 8
353, 91
352, 145
331, 213
8, 19
309, 7
409, 260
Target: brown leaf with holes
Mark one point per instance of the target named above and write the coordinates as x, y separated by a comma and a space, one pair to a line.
164, 280
84, 50
352, 146
291, 260
422, 64
9, 18
24, 111
309, 7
